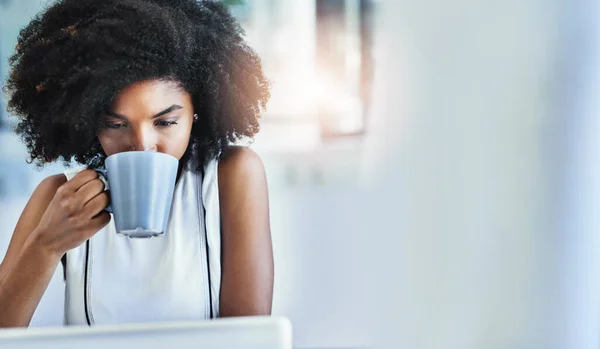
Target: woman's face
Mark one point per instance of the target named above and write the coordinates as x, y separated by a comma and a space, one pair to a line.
148, 116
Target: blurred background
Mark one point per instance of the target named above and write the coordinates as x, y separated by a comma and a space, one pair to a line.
433, 169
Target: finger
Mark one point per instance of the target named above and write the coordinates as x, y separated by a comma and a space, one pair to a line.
101, 219
81, 179
98, 222
96, 205
89, 190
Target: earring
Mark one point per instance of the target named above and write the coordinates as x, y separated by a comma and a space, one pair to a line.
195, 117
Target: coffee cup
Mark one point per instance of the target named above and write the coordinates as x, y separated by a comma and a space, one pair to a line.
141, 187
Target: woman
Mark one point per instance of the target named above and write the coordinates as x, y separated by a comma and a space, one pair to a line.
94, 78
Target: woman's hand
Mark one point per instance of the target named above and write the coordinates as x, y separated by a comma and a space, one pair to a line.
75, 214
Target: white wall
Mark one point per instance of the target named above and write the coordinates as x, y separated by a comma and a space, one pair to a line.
478, 200
489, 175
577, 175
319, 235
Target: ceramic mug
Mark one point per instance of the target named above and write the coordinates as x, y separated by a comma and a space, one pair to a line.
141, 190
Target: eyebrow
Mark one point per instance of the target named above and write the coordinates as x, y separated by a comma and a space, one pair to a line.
166, 111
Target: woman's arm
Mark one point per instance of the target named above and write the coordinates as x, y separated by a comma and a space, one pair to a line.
247, 253
59, 216
27, 268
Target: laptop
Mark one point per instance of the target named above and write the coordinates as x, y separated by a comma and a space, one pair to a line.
230, 333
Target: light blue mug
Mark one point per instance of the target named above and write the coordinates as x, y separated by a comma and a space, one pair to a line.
141, 187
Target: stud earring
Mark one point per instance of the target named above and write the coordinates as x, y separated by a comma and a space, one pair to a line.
195, 117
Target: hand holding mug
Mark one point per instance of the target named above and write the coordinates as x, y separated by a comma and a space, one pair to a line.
75, 213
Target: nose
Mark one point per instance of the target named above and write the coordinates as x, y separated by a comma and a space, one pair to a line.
143, 140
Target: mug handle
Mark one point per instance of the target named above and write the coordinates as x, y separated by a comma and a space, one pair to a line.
102, 175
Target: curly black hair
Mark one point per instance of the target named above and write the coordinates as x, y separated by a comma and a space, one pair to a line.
72, 60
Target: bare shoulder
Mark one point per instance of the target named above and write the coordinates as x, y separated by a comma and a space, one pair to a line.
41, 197
241, 174
51, 183
46, 190
240, 161
241, 169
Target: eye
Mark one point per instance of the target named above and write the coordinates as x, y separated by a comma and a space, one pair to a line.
113, 125
165, 123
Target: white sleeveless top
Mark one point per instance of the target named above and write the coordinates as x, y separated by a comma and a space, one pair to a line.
112, 279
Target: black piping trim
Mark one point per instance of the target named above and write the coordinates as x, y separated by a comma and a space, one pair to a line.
63, 261
207, 258
85, 283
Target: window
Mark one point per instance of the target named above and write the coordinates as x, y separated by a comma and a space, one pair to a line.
318, 55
